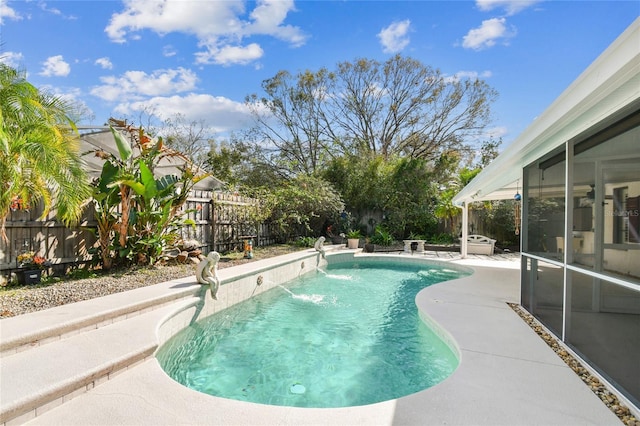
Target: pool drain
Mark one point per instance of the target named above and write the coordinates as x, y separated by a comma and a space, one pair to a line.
297, 388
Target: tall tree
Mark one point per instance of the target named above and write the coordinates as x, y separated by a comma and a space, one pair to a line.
403, 107
398, 107
39, 150
227, 160
191, 138
290, 121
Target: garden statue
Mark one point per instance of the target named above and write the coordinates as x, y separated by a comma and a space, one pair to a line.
207, 272
319, 246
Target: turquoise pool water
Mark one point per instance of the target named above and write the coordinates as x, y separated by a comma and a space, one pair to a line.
350, 335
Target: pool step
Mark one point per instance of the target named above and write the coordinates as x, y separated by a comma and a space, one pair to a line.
50, 356
44, 377
28, 331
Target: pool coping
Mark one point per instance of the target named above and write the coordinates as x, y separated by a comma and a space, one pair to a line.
507, 374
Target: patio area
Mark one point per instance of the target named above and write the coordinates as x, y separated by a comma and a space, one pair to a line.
507, 373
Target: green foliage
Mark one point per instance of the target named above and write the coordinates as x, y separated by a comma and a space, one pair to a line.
412, 195
442, 238
80, 273
381, 237
341, 224
499, 221
467, 175
361, 181
39, 151
353, 234
415, 236
153, 224
227, 162
445, 208
399, 189
301, 206
138, 214
305, 242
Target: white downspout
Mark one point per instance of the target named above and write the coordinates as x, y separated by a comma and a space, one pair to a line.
465, 229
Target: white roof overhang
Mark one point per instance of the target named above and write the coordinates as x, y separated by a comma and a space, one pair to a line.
605, 92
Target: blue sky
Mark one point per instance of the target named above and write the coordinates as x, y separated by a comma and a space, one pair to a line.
201, 58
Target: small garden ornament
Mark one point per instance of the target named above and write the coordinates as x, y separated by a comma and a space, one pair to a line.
207, 272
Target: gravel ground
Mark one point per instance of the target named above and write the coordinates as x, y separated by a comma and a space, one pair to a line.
20, 300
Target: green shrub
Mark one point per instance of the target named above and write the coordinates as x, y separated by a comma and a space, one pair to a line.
414, 236
381, 237
300, 206
442, 238
305, 241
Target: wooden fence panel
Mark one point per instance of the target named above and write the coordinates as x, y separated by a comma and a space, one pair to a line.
199, 209
220, 220
232, 221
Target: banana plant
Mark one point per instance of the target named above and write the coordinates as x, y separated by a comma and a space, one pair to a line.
138, 214
153, 222
111, 201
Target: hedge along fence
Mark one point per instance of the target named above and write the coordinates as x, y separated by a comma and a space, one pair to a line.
221, 220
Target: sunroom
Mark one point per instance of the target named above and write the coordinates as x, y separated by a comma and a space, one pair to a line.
576, 169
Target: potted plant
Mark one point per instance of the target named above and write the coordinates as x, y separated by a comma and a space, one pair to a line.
33, 266
353, 239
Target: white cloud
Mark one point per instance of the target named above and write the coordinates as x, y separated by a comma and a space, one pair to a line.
511, 7
495, 132
54, 11
395, 37
219, 113
13, 59
105, 63
7, 12
136, 85
69, 94
218, 25
55, 66
168, 51
228, 55
267, 18
487, 34
471, 75
73, 96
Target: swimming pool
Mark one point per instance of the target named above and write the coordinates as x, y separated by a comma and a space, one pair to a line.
349, 335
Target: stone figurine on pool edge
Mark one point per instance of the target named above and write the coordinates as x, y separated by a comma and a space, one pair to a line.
207, 272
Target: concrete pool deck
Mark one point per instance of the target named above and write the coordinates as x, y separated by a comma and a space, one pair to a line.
507, 374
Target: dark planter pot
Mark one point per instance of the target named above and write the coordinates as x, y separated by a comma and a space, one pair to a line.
29, 277
337, 240
369, 248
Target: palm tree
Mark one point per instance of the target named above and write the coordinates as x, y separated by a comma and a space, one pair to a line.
39, 151
445, 209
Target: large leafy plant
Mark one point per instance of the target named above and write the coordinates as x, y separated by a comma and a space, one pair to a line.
138, 213
39, 151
